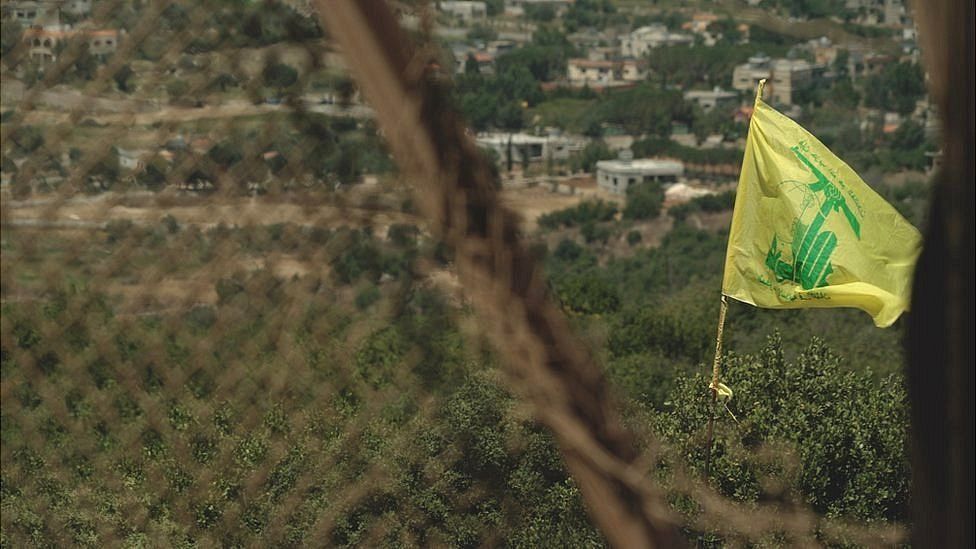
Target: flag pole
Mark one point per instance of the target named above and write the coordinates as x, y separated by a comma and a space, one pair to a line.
716, 371
716, 365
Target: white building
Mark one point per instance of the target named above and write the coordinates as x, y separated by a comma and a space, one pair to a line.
642, 40
131, 159
517, 7
709, 99
43, 44
617, 175
464, 9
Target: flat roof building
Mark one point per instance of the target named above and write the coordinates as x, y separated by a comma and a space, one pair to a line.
464, 9
524, 148
586, 72
642, 40
709, 99
617, 175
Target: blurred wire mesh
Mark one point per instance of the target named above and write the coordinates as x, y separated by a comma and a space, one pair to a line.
198, 213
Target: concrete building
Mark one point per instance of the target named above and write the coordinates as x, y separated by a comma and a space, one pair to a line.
465, 10
517, 7
524, 148
747, 75
709, 99
791, 76
587, 72
642, 40
29, 13
41, 13
784, 76
44, 44
617, 175
132, 159
78, 8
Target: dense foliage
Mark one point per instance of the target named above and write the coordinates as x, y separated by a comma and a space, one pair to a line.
802, 429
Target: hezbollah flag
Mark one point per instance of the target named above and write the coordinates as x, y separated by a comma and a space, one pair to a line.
808, 232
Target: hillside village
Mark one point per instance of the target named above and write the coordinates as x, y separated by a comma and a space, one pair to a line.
551, 88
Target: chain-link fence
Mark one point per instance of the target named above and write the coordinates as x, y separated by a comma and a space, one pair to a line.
227, 319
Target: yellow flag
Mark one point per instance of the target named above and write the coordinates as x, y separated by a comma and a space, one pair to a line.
808, 232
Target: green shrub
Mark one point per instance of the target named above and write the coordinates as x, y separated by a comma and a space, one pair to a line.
806, 428
584, 212
644, 201
707, 203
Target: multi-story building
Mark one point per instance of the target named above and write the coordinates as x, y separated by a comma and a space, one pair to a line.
709, 99
642, 40
785, 76
44, 44
746, 75
464, 9
790, 76
31, 13
587, 72
518, 7
521, 148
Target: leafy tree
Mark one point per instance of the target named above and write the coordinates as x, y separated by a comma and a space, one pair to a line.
593, 152
85, 65
541, 13
587, 293
643, 110
588, 13
154, 176
896, 88
846, 431
279, 76
223, 80
844, 95
226, 153
10, 34
482, 33
644, 201
909, 136
27, 139
584, 212
122, 77
177, 88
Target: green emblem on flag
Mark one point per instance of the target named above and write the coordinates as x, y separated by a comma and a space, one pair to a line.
811, 246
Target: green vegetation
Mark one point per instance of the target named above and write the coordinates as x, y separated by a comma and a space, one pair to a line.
805, 430
707, 203
186, 383
585, 212
644, 201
